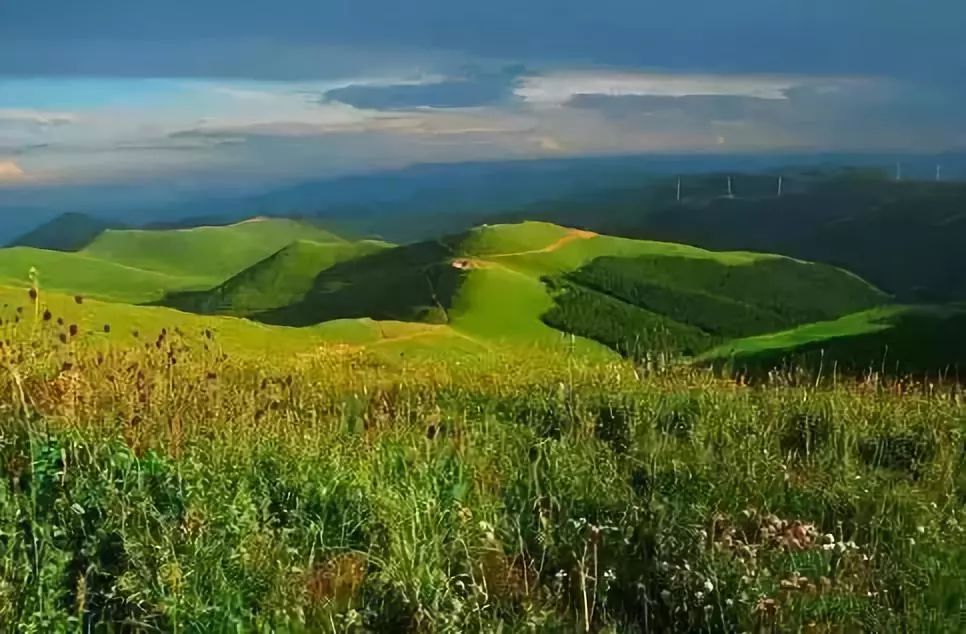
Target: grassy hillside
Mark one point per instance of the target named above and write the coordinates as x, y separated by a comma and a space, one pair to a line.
210, 253
904, 237
729, 301
67, 232
85, 275
278, 281
897, 340
142, 266
101, 323
181, 489
529, 283
409, 283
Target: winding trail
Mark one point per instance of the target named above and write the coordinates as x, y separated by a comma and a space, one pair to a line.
572, 234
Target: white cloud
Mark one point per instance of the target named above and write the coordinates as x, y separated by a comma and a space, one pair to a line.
559, 87
37, 117
11, 172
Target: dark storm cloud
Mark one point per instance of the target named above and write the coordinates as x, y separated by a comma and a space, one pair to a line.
476, 88
907, 38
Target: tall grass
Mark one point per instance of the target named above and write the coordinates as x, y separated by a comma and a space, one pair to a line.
166, 485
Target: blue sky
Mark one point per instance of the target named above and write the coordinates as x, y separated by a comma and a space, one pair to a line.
266, 91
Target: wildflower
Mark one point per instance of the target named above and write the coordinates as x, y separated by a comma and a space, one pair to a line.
920, 529
561, 574
708, 585
729, 602
609, 575
666, 595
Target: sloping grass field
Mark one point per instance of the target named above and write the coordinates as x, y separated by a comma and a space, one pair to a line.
171, 483
448, 442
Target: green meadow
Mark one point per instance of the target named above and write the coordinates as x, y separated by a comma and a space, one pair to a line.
264, 427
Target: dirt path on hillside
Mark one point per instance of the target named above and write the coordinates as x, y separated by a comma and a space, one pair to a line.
572, 234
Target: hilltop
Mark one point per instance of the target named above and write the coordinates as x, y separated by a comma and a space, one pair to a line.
279, 280
905, 237
532, 281
141, 266
212, 252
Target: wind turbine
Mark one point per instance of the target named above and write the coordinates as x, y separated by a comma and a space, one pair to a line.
780, 186
679, 189
939, 172
731, 192
898, 171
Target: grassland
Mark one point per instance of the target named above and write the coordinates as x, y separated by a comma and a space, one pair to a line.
501, 284
172, 483
209, 253
79, 273
280, 280
898, 340
140, 266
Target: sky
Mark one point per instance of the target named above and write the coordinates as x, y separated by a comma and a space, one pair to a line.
271, 91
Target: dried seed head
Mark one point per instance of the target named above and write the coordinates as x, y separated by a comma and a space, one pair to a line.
32, 293
78, 299
107, 328
73, 330
48, 315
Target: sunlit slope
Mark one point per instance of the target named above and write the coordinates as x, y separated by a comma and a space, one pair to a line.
126, 325
894, 340
141, 266
85, 275
279, 280
210, 254
508, 283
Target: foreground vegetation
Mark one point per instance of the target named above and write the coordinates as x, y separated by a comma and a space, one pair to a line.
165, 482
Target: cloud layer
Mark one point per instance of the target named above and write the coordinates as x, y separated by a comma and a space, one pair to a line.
10, 172
126, 128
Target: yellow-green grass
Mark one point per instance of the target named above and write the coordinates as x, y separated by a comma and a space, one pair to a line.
865, 322
895, 340
279, 280
508, 238
104, 323
81, 273
207, 253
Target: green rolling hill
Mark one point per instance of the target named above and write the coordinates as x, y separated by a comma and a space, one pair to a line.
530, 282
279, 280
85, 275
895, 340
904, 237
144, 266
207, 255
507, 286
